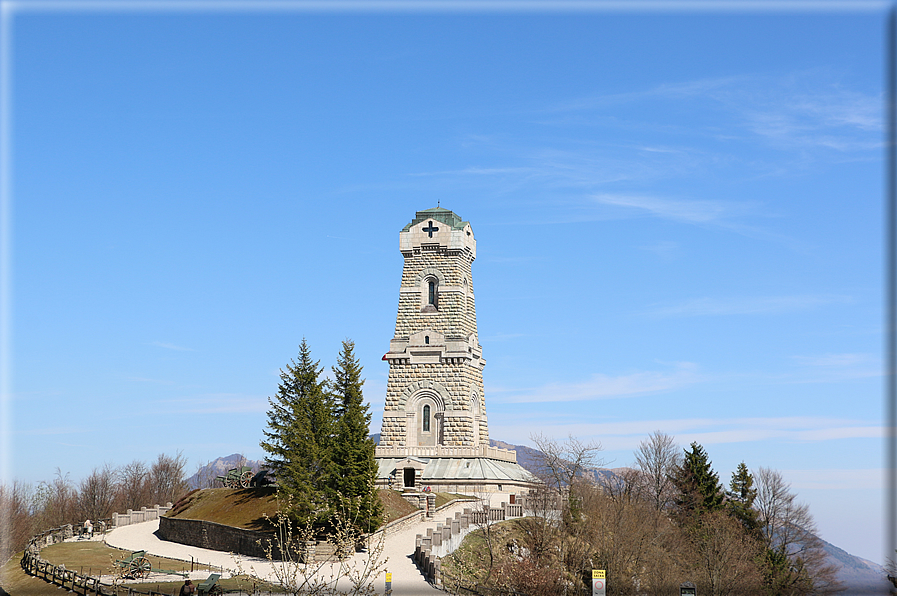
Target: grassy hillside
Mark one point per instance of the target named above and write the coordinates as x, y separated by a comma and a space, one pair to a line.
469, 565
246, 508
242, 508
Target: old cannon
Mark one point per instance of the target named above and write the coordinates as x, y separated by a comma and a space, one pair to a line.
237, 477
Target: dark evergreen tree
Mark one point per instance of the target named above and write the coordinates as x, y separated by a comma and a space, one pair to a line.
353, 489
741, 497
698, 485
299, 437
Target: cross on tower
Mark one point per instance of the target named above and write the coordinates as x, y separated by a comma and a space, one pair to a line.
429, 230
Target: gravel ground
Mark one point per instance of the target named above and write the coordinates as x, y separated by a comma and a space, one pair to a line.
397, 549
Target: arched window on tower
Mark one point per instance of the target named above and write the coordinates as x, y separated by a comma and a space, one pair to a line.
426, 419
429, 293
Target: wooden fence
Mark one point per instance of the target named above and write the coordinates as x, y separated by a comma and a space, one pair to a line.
75, 582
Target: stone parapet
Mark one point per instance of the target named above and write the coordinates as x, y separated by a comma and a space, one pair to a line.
447, 451
136, 517
442, 541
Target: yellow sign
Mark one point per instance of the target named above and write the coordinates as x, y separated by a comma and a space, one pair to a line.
597, 573
389, 577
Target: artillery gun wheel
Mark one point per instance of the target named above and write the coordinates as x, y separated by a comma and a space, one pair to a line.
215, 590
246, 479
140, 568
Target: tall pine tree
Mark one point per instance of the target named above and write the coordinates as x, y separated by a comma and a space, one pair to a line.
299, 437
698, 485
353, 490
741, 497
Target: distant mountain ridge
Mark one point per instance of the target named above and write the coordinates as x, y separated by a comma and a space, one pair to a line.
859, 575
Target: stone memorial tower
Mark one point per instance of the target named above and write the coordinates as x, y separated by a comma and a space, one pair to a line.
434, 429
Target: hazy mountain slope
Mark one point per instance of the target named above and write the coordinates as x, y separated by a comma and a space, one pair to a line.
859, 575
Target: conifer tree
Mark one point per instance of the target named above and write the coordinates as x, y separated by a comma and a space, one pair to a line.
352, 485
299, 437
741, 496
698, 485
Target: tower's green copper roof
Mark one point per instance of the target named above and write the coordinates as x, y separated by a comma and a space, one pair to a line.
439, 214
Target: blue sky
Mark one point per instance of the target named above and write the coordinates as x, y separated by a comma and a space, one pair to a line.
678, 216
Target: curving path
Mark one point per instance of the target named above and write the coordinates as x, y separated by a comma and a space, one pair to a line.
397, 549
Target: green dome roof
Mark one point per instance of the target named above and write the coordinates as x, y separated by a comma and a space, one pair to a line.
438, 214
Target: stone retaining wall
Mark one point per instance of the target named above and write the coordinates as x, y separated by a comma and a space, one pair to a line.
229, 539
206, 534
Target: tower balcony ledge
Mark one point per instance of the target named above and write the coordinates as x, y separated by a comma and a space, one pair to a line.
486, 451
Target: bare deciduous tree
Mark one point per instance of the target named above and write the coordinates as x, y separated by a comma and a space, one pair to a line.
133, 486
96, 494
656, 458
563, 469
166, 478
56, 502
562, 463
794, 552
723, 557
299, 574
16, 521
541, 508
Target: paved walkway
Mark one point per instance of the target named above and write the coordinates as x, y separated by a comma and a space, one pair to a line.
397, 550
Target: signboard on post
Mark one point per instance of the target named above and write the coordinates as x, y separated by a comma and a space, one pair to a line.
599, 583
388, 583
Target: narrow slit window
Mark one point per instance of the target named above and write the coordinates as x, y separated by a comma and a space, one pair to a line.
426, 418
427, 340
431, 296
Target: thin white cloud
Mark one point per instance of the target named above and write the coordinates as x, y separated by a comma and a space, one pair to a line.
51, 430
832, 368
712, 213
833, 118
148, 380
476, 171
836, 360
707, 306
801, 110
836, 479
601, 386
626, 434
168, 346
665, 249
222, 403
677, 209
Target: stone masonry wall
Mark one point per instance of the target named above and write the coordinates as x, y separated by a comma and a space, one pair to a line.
461, 381
456, 316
